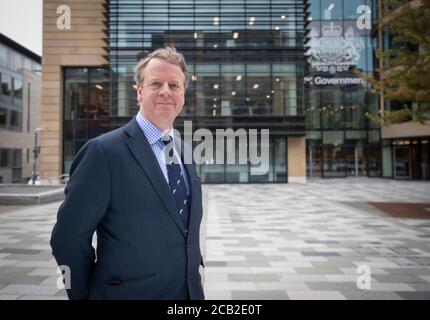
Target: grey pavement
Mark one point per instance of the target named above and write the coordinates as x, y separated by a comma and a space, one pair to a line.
23, 194
321, 240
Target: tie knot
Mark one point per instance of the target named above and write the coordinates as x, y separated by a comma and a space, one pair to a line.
166, 139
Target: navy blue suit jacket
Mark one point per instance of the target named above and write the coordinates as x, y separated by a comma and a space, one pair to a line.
117, 189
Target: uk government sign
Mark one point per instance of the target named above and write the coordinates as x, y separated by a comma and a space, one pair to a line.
331, 51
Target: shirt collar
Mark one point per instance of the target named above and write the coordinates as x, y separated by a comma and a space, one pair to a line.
150, 130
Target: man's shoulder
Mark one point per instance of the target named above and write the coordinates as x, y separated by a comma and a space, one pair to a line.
112, 138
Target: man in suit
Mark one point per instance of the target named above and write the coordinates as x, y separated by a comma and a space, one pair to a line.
132, 187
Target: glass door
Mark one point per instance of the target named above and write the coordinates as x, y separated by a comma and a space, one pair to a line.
351, 165
313, 166
402, 162
356, 161
425, 159
334, 162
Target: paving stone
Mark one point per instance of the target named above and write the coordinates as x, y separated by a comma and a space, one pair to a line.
266, 241
424, 295
218, 295
21, 289
324, 237
370, 295
9, 297
19, 251
259, 295
409, 279
33, 280
27, 297
316, 295
254, 277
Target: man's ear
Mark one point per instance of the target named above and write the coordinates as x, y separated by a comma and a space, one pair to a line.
139, 92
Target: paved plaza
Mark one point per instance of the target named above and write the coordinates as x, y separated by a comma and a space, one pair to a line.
321, 240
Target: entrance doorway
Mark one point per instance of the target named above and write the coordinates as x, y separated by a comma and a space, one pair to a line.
402, 162
356, 161
314, 161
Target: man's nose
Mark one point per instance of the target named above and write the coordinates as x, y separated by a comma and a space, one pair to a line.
165, 90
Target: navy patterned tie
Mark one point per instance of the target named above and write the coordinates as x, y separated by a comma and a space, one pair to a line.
176, 181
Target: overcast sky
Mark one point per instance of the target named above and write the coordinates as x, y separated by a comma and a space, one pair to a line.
21, 20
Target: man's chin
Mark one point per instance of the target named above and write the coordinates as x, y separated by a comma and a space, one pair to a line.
170, 113
166, 116
165, 106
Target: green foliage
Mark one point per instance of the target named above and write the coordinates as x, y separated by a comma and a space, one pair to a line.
387, 118
405, 75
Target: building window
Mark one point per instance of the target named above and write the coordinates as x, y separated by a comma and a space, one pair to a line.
11, 164
27, 64
315, 10
331, 9
17, 92
6, 86
16, 61
28, 105
4, 158
85, 109
16, 158
3, 54
350, 8
15, 119
3, 117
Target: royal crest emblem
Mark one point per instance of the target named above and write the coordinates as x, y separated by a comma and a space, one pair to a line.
331, 52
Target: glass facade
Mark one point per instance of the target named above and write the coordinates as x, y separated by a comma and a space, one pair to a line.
14, 138
11, 90
406, 158
86, 113
10, 165
247, 66
341, 142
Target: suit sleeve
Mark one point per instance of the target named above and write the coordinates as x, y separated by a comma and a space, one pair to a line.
87, 199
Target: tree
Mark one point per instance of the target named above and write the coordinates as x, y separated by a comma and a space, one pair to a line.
405, 72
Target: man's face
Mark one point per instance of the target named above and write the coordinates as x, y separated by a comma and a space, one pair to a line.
161, 96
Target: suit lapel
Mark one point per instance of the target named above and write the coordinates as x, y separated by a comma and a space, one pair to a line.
194, 183
195, 191
142, 152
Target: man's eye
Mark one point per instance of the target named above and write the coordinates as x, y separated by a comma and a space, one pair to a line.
155, 84
174, 86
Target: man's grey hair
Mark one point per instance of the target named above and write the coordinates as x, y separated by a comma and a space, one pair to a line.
168, 54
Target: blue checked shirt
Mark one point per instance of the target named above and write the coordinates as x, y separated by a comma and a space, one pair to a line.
153, 135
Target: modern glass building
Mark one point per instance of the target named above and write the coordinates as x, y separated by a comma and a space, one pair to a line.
247, 64
340, 141
289, 66
405, 146
19, 109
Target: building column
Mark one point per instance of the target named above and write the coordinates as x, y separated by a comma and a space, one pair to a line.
296, 159
81, 43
